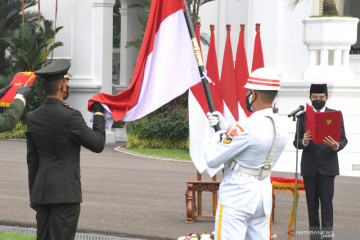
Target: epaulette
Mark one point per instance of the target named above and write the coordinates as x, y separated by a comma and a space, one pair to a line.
68, 106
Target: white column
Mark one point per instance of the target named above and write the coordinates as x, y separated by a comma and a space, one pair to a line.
313, 57
102, 35
123, 40
345, 57
337, 57
129, 32
324, 57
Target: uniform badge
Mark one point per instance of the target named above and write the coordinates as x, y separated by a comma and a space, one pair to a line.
227, 140
235, 131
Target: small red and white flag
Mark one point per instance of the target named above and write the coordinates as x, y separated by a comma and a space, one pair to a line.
241, 74
258, 58
166, 65
228, 82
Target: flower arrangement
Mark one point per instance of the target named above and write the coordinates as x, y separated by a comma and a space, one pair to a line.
197, 236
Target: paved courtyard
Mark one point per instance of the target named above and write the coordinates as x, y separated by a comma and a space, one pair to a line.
134, 196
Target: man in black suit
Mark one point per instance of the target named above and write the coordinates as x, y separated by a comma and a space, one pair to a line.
55, 133
319, 166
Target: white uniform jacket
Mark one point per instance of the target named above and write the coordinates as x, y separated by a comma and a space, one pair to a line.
249, 144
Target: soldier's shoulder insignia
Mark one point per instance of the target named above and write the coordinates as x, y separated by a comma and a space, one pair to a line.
235, 131
68, 106
227, 140
240, 128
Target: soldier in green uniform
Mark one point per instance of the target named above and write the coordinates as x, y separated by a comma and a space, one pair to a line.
12, 115
55, 133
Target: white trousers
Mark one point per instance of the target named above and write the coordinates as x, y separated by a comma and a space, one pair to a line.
232, 224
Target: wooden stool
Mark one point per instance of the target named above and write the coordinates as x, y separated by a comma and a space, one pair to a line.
198, 186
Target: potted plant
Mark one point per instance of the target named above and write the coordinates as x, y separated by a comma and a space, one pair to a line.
329, 38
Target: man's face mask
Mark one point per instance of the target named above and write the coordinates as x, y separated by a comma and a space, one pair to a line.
318, 104
247, 101
67, 92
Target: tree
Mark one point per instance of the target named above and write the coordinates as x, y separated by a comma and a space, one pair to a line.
10, 20
116, 24
329, 7
30, 48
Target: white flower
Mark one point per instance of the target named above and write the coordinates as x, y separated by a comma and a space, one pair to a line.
182, 238
194, 236
205, 237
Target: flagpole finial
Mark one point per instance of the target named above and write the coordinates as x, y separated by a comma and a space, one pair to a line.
228, 27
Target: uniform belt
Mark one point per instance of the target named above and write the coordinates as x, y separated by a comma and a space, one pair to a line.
260, 173
250, 171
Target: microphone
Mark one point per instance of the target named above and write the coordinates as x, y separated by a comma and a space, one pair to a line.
293, 113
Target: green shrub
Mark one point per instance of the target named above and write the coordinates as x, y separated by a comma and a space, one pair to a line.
133, 141
167, 127
17, 132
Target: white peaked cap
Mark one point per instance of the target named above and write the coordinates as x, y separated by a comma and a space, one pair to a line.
264, 79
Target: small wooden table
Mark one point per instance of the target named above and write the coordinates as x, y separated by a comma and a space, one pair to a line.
198, 186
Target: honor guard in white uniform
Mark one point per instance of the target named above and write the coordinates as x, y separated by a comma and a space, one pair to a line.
248, 150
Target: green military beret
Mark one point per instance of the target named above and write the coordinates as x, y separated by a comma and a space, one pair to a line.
57, 69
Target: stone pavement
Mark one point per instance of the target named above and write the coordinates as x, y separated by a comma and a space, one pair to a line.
133, 196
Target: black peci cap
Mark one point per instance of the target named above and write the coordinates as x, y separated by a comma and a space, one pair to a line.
57, 69
318, 88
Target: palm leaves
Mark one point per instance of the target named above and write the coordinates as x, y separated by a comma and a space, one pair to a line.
30, 48
10, 20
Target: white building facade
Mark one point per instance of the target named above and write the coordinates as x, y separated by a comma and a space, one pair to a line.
87, 38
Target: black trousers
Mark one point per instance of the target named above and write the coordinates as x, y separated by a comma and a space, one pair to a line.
57, 221
320, 188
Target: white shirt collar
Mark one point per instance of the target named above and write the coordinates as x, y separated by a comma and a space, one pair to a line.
263, 112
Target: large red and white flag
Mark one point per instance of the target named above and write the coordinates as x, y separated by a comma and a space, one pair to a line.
228, 82
199, 129
241, 74
258, 58
166, 66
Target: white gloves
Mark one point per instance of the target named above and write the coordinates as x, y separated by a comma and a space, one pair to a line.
215, 118
217, 137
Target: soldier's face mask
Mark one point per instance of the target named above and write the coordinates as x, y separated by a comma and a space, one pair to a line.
248, 101
67, 91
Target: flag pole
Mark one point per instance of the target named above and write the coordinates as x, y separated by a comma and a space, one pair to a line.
199, 60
